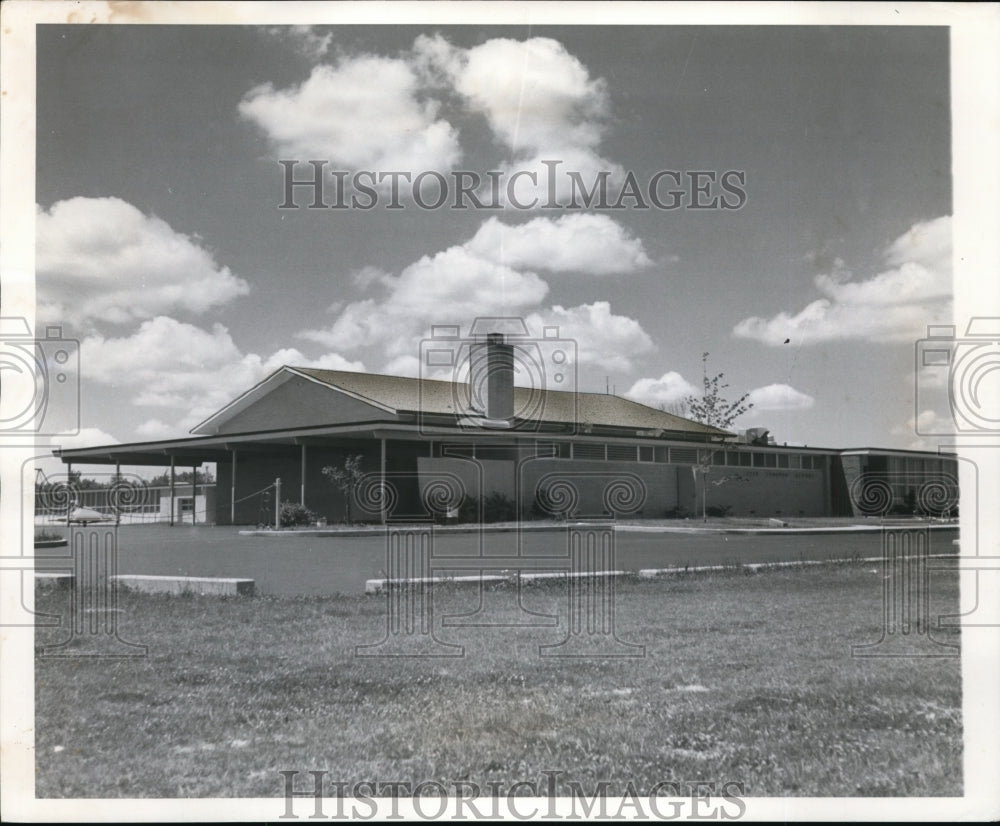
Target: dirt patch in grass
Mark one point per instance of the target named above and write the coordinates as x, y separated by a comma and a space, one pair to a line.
745, 678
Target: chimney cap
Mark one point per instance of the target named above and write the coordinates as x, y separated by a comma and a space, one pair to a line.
494, 338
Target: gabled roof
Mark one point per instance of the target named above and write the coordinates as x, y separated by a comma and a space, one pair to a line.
429, 396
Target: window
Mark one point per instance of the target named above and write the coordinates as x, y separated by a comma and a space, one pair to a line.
683, 455
588, 450
661, 454
782, 460
746, 459
770, 460
621, 453
645, 453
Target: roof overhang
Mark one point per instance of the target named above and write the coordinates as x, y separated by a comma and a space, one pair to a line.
196, 450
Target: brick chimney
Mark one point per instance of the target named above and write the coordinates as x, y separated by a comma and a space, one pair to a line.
491, 378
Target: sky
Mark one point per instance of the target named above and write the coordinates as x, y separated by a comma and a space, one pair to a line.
161, 247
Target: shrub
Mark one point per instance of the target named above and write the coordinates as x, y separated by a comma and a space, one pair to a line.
677, 513
468, 511
46, 536
292, 513
498, 507
718, 510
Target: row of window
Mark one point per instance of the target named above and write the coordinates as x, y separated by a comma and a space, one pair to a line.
898, 466
609, 452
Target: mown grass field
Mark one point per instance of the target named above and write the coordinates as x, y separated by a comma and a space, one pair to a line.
746, 677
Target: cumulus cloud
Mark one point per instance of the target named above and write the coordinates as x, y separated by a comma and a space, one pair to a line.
779, 397
306, 39
925, 422
669, 389
54, 469
542, 106
602, 338
85, 437
364, 112
397, 114
534, 93
493, 274
102, 259
577, 242
452, 284
154, 429
185, 368
896, 304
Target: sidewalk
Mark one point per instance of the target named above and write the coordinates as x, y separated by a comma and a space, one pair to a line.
681, 526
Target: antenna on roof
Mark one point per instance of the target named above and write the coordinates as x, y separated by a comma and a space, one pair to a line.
606, 380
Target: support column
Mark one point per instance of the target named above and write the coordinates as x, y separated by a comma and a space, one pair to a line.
69, 500
118, 476
194, 494
382, 513
173, 499
302, 492
232, 492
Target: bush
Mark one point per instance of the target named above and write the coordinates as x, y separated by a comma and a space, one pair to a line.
498, 507
292, 513
47, 536
468, 511
718, 510
677, 513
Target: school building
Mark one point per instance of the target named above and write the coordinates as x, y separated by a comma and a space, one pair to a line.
428, 445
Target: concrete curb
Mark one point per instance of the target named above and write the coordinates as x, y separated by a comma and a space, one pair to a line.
652, 573
490, 529
177, 585
379, 530
379, 586
55, 579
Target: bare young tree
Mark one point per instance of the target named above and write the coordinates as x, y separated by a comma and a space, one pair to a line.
346, 478
713, 409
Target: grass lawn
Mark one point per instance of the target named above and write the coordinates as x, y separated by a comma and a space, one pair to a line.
746, 677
